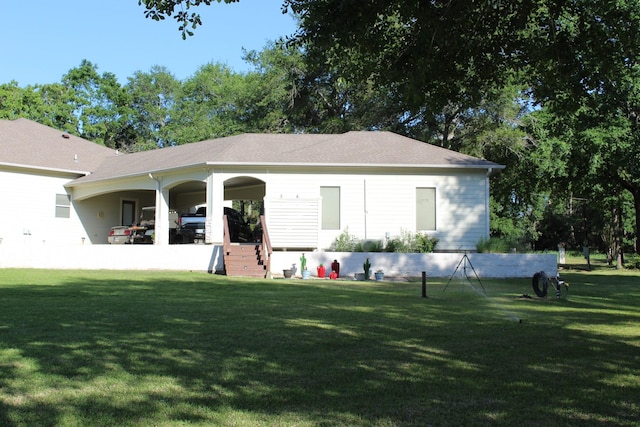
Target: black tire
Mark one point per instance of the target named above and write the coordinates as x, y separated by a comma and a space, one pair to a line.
537, 278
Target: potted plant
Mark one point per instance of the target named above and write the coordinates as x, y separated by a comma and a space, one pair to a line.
367, 269
379, 274
306, 274
321, 271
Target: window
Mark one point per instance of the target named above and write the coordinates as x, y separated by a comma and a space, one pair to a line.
425, 208
330, 208
63, 206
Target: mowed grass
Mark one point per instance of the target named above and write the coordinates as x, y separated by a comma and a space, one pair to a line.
107, 348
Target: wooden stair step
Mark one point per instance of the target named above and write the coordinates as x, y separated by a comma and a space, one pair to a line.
243, 256
249, 272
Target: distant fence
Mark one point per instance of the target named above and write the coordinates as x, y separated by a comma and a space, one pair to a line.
208, 258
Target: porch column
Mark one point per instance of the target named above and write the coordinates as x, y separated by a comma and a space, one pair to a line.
162, 215
215, 195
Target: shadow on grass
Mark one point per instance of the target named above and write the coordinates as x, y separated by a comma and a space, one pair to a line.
208, 350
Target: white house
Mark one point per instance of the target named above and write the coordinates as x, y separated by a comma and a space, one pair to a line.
63, 191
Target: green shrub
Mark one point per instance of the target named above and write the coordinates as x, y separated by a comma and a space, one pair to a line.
402, 243
406, 242
632, 261
425, 244
409, 242
393, 245
369, 246
345, 242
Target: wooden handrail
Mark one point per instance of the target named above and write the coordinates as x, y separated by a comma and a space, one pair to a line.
266, 241
226, 242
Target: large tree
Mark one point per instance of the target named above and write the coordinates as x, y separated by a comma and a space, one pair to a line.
100, 105
206, 106
49, 104
426, 54
153, 96
582, 57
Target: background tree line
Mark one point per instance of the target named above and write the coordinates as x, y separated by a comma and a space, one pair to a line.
551, 89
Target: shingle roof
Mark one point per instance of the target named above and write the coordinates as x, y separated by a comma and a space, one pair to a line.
380, 149
26, 143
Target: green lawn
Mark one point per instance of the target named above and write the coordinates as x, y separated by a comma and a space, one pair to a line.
91, 348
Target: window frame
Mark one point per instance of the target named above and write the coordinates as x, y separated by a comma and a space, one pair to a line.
62, 206
331, 213
430, 203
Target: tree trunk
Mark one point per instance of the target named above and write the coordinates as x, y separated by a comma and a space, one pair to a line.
635, 192
636, 206
618, 238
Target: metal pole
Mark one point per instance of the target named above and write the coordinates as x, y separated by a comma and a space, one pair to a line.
424, 284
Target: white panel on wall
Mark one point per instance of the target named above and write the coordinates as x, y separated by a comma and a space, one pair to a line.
293, 223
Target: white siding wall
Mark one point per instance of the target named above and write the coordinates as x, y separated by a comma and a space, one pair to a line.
27, 213
374, 204
461, 215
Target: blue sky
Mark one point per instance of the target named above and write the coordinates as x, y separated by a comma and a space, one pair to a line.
41, 40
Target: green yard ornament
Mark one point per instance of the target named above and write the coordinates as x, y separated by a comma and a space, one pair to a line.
367, 269
306, 274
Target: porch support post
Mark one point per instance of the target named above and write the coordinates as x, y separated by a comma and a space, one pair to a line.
215, 196
162, 215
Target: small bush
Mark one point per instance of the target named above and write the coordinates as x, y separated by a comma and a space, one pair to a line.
409, 242
369, 246
345, 242
406, 242
393, 245
425, 244
632, 262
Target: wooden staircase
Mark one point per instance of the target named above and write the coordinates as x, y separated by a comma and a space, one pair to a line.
244, 259
247, 259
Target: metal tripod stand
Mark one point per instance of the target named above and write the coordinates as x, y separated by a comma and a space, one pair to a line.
463, 262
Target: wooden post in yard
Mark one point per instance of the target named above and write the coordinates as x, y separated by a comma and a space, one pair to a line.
424, 284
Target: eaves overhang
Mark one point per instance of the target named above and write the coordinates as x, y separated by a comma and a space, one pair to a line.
490, 167
20, 166
88, 179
